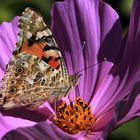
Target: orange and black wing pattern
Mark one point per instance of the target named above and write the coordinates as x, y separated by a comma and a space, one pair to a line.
36, 38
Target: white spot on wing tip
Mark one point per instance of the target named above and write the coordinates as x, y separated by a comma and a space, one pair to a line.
45, 33
39, 34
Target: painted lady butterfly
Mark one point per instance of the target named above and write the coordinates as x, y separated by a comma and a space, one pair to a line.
37, 72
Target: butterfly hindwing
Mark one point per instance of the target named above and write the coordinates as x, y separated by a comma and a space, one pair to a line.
30, 80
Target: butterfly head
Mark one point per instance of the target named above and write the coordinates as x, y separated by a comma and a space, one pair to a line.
74, 79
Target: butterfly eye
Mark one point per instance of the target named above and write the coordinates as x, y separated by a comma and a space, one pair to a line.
73, 80
12, 90
20, 70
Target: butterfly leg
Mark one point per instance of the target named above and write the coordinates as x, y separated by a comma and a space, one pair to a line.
55, 103
72, 98
69, 94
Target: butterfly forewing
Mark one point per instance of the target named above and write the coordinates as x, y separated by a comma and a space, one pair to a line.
36, 38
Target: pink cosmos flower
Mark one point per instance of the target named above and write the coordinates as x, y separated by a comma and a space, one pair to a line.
111, 88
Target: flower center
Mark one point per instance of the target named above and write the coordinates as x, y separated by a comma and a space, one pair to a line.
74, 117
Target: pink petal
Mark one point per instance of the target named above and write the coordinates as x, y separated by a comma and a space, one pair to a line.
48, 130
122, 109
128, 69
99, 27
9, 123
40, 131
8, 39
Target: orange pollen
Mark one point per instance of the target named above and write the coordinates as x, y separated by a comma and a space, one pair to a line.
74, 117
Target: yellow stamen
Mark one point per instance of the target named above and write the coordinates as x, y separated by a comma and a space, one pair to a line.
75, 117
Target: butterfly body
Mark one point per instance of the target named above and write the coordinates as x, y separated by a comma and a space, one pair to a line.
37, 72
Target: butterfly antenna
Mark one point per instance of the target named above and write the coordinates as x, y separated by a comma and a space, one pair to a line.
104, 59
76, 64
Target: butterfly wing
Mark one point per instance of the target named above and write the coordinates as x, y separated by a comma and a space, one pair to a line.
36, 38
36, 72
29, 80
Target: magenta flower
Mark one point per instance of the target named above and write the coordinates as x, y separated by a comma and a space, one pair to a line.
111, 88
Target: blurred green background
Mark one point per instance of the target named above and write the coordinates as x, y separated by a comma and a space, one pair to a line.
10, 8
